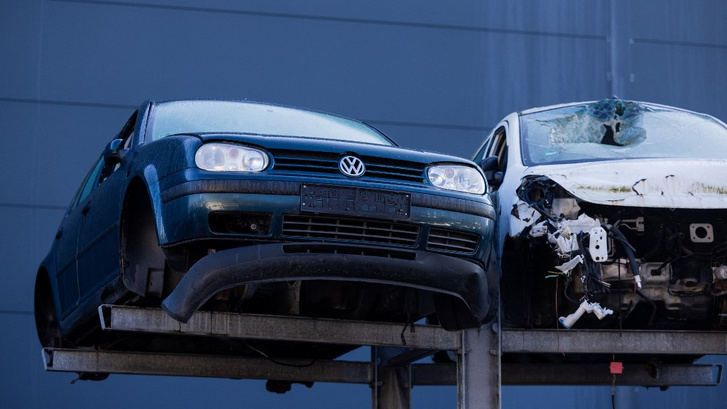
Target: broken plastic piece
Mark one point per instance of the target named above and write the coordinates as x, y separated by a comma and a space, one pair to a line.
570, 264
583, 223
566, 207
571, 319
522, 215
564, 240
539, 230
565, 237
720, 273
585, 306
599, 311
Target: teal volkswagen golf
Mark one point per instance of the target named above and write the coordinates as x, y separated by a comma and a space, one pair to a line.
257, 208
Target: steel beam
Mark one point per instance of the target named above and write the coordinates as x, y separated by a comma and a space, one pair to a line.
614, 341
579, 374
393, 370
599, 374
206, 366
273, 327
216, 366
417, 336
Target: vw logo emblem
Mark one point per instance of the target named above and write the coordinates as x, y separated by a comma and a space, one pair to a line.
351, 166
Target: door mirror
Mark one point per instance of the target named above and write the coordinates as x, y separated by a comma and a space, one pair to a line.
114, 153
492, 172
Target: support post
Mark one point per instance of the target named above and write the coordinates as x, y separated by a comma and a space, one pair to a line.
392, 382
478, 369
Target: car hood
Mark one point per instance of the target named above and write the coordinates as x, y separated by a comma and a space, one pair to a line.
663, 183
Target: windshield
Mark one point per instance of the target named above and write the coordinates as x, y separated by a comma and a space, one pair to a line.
179, 117
617, 129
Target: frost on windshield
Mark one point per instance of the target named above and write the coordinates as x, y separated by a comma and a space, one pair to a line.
200, 116
608, 121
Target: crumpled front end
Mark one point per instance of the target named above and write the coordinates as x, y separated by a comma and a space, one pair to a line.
601, 264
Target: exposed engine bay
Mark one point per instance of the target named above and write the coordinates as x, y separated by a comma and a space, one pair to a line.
575, 264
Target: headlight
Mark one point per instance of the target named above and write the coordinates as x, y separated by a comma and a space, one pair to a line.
224, 157
457, 177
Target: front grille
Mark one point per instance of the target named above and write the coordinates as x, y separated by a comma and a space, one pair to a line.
450, 240
348, 249
305, 162
327, 163
350, 229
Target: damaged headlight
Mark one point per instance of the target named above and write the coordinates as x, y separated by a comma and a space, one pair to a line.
457, 177
226, 157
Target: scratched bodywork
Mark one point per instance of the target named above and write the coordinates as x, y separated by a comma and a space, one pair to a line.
684, 183
611, 214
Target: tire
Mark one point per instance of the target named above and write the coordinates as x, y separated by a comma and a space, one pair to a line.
46, 319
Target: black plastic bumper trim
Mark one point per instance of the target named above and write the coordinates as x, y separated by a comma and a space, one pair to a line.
273, 262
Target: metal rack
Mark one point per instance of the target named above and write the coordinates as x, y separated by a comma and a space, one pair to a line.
396, 363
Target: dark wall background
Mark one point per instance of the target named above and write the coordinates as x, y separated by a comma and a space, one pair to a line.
431, 74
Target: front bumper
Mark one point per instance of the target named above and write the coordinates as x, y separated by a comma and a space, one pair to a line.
224, 269
186, 212
292, 188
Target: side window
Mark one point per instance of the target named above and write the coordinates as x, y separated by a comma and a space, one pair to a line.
88, 184
499, 149
492, 158
482, 152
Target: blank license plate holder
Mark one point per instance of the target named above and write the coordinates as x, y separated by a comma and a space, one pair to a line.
355, 202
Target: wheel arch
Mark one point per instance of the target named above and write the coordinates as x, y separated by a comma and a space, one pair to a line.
142, 259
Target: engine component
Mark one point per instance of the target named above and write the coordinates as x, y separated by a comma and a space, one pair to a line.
701, 233
598, 246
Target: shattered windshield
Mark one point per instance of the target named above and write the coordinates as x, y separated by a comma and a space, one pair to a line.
617, 129
180, 117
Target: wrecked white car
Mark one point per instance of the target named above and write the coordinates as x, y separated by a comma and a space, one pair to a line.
611, 214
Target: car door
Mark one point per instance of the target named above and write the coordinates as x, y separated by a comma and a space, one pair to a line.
98, 238
66, 246
497, 149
